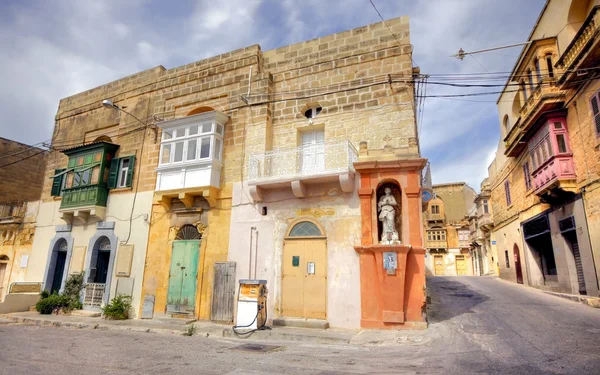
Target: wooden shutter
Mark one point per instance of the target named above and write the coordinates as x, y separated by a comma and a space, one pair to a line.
57, 183
113, 173
595, 102
130, 171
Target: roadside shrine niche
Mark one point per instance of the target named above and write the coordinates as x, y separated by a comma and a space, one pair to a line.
389, 213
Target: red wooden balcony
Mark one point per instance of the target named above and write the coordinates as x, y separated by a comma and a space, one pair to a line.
553, 173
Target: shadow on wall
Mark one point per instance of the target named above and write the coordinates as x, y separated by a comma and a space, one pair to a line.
450, 298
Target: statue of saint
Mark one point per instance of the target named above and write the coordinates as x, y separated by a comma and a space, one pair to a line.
387, 213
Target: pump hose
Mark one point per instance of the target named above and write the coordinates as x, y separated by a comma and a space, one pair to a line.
261, 328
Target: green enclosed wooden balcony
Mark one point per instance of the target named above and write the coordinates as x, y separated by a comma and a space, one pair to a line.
83, 202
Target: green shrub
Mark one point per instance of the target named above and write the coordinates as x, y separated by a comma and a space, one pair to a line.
118, 308
45, 293
51, 304
72, 291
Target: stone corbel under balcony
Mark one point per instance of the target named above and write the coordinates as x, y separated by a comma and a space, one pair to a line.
299, 186
186, 196
83, 214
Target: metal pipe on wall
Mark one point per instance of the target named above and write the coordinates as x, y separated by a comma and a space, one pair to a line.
250, 254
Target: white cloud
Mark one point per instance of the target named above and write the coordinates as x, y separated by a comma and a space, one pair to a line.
54, 49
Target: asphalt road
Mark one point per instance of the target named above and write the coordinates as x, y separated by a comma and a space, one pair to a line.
478, 325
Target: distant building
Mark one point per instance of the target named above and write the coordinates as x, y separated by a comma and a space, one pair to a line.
21, 180
483, 245
447, 230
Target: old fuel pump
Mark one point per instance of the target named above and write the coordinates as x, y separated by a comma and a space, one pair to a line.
251, 307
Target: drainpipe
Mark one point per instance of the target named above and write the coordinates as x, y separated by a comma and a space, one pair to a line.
250, 253
255, 252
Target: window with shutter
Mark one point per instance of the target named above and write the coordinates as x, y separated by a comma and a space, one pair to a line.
507, 192
57, 182
131, 167
113, 173
595, 102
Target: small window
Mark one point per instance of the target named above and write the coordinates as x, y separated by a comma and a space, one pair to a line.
312, 112
305, 229
523, 89
217, 149
530, 78
595, 103
123, 169
558, 125
165, 154
191, 149
178, 154
507, 259
120, 174
562, 145
527, 175
486, 209
220, 129
435, 209
538, 72
205, 148
206, 128
507, 192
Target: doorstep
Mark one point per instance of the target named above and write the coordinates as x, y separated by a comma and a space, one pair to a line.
301, 323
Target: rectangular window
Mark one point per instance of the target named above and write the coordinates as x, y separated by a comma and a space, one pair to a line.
120, 174
486, 209
58, 182
206, 128
178, 154
217, 149
507, 192
507, 259
220, 129
549, 63
527, 175
595, 103
562, 145
122, 182
205, 148
435, 209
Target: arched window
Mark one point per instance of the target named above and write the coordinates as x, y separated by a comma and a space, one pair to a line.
549, 63
523, 89
538, 72
103, 138
4, 257
506, 124
188, 232
305, 229
200, 110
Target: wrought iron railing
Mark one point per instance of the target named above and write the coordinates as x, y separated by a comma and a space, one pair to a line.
94, 294
309, 160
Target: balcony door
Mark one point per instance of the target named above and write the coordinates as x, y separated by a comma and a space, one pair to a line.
313, 151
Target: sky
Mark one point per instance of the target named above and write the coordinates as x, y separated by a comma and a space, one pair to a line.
53, 49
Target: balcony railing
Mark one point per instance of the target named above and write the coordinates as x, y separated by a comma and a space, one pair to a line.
464, 244
436, 244
82, 196
580, 44
94, 294
545, 95
13, 211
484, 220
307, 160
553, 171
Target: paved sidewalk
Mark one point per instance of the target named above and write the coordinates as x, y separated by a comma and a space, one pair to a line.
214, 330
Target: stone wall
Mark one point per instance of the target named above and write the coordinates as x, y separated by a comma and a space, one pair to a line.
21, 181
458, 200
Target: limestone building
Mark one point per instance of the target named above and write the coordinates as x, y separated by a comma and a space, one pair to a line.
447, 230
483, 242
545, 177
250, 164
21, 178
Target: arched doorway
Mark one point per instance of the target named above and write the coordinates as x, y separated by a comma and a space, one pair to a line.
101, 261
304, 271
181, 295
3, 264
58, 264
518, 269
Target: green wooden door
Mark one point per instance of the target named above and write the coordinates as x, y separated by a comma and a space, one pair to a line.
181, 296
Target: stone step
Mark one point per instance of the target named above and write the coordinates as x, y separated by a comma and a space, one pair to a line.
301, 323
173, 320
32, 308
86, 313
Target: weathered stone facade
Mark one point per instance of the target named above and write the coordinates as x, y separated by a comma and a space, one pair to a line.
22, 171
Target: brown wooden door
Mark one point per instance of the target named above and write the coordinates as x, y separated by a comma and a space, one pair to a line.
223, 292
304, 284
438, 262
518, 264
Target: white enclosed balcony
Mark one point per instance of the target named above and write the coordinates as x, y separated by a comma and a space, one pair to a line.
309, 164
